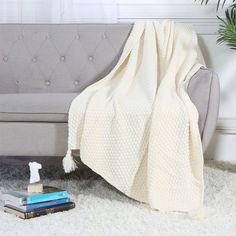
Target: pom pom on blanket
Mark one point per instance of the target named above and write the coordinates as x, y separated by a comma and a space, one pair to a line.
69, 163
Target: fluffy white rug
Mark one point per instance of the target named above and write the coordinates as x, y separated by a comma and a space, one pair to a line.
102, 210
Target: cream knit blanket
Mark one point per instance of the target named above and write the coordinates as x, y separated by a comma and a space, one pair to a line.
137, 127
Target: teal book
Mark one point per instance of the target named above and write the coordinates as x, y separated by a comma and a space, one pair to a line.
31, 207
23, 198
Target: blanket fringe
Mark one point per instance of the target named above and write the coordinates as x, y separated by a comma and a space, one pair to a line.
69, 163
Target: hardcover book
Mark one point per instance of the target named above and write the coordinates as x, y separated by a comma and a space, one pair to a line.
23, 198
39, 212
31, 207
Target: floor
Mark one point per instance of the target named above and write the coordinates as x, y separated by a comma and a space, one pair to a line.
102, 210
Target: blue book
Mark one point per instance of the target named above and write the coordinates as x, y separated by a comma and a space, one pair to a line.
23, 198
34, 206
40, 211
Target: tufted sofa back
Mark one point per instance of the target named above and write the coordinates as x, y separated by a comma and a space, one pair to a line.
63, 58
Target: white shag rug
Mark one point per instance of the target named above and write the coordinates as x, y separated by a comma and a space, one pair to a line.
103, 211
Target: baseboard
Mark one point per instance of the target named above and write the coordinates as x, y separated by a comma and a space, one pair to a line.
223, 144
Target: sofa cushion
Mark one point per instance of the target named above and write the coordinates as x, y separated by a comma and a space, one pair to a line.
46, 107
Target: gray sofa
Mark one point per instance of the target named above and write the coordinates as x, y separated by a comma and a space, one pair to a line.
43, 67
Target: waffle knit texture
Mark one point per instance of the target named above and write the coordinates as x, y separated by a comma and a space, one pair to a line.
137, 127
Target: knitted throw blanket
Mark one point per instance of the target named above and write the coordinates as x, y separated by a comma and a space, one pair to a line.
137, 127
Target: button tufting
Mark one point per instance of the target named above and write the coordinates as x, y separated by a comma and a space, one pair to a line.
76, 82
62, 58
90, 58
20, 37
5, 58
77, 36
48, 36
104, 36
34, 59
17, 82
47, 82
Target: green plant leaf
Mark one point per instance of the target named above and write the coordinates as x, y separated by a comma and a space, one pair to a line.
227, 28
220, 2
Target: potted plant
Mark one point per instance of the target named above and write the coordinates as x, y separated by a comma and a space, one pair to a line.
227, 27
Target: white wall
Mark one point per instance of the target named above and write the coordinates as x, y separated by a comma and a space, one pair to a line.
218, 57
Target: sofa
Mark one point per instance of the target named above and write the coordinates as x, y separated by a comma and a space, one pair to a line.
44, 66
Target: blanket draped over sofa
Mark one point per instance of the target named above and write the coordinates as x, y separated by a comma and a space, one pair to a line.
137, 127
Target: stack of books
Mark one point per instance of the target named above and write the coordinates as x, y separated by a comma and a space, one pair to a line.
26, 206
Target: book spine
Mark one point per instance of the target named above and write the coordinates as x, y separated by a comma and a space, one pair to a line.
31, 207
46, 197
40, 212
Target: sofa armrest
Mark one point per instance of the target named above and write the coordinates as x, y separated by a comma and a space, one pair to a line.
204, 92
